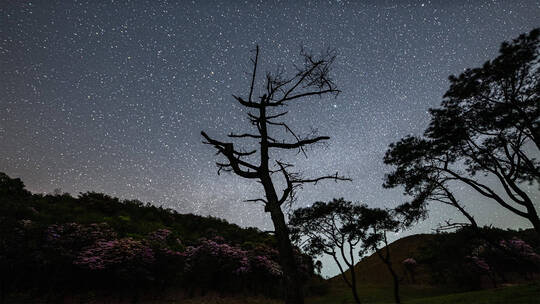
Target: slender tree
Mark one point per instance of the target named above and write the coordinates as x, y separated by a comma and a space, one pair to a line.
340, 228
312, 78
326, 228
488, 123
378, 222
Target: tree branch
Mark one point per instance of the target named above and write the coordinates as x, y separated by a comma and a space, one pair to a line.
334, 177
227, 149
298, 144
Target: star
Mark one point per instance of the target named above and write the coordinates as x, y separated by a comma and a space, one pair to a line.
112, 96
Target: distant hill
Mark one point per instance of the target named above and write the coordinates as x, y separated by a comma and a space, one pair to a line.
466, 259
127, 217
57, 246
371, 269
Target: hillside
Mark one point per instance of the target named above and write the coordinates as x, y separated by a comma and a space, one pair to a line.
60, 246
466, 259
95, 247
126, 217
371, 269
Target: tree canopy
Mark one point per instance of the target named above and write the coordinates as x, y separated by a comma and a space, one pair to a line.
487, 124
341, 229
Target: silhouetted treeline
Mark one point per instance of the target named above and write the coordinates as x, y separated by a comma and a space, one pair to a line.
52, 246
472, 258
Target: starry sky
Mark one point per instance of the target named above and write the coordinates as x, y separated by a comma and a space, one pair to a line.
111, 96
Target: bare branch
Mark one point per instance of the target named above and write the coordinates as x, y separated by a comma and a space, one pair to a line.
298, 144
306, 94
256, 200
248, 104
277, 115
334, 177
288, 192
227, 149
255, 63
232, 135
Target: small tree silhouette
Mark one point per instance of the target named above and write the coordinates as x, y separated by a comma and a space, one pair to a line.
377, 222
326, 228
338, 228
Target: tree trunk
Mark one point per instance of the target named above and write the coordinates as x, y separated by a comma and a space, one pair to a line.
533, 218
396, 282
388, 263
535, 132
466, 214
353, 283
456, 204
292, 281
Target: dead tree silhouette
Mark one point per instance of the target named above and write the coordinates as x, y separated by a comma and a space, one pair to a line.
311, 79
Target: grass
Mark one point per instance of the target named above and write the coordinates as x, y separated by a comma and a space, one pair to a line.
228, 300
521, 294
375, 294
369, 294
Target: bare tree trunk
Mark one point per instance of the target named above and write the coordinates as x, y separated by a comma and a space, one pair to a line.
395, 278
396, 283
456, 204
353, 283
353, 274
293, 285
386, 260
535, 221
312, 80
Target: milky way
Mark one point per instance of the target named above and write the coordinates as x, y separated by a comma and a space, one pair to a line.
111, 96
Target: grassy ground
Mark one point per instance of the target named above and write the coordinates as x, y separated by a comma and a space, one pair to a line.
519, 294
229, 300
375, 294
522, 294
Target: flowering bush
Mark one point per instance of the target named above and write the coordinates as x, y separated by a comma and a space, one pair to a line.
217, 258
165, 240
124, 255
265, 265
479, 263
520, 248
263, 261
410, 266
160, 235
42, 253
409, 262
70, 238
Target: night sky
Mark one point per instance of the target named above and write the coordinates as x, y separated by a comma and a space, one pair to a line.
111, 96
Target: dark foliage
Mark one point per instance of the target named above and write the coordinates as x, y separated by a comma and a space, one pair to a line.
488, 124
57, 245
340, 229
484, 257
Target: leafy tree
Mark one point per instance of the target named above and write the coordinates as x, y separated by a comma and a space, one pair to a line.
378, 222
327, 228
11, 186
424, 182
488, 123
338, 228
311, 79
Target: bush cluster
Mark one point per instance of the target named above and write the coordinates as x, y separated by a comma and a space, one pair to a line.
475, 258
60, 244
